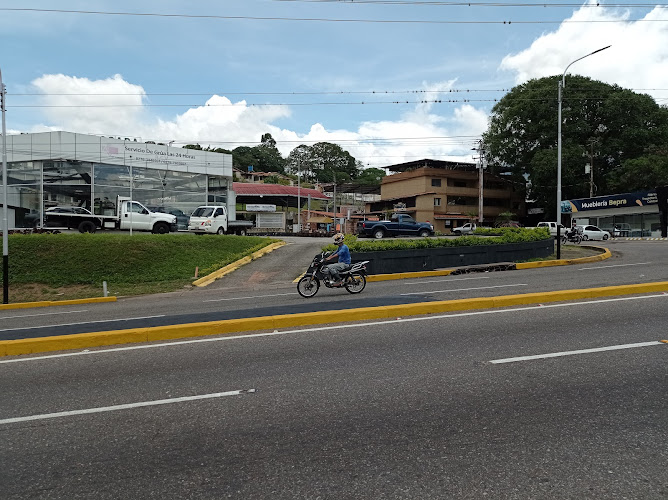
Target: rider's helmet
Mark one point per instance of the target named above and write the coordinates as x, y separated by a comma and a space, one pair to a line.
338, 238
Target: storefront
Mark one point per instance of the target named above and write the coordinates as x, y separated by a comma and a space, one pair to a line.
62, 168
628, 214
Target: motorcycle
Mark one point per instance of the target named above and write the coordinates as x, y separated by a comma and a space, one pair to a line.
571, 237
353, 279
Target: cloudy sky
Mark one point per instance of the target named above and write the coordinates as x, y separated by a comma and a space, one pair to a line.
363, 74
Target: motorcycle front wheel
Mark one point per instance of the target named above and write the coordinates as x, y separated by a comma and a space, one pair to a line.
355, 283
308, 286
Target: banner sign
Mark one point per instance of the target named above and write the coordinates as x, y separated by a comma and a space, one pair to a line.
638, 199
260, 208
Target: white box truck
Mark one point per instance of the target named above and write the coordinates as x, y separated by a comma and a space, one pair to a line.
212, 219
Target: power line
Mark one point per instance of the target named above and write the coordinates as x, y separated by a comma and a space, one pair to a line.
349, 103
333, 92
320, 19
478, 4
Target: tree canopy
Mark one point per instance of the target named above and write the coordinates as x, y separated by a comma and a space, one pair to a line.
322, 162
624, 130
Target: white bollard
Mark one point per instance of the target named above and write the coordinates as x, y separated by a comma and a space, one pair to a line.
104, 288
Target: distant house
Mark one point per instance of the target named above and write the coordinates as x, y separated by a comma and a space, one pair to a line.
446, 193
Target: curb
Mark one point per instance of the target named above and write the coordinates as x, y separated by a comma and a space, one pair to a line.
459, 270
136, 335
48, 303
210, 278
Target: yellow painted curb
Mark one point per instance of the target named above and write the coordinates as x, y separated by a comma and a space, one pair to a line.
48, 303
524, 265
210, 278
85, 340
565, 262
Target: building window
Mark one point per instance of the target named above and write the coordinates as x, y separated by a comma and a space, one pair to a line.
437, 202
436, 183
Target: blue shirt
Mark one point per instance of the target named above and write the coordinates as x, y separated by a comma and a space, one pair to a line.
344, 254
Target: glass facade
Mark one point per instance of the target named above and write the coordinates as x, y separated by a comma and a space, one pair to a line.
37, 185
631, 225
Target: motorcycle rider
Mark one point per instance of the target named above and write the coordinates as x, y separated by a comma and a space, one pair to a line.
570, 235
343, 253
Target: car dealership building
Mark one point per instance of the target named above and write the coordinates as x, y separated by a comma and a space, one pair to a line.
62, 168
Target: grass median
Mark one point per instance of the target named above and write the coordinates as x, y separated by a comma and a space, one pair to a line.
72, 266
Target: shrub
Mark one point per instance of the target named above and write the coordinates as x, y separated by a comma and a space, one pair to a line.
483, 236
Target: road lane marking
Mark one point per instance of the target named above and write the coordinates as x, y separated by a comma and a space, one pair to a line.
613, 265
356, 325
129, 406
465, 289
572, 353
252, 297
80, 323
445, 280
43, 314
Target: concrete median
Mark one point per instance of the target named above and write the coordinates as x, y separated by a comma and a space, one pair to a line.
98, 339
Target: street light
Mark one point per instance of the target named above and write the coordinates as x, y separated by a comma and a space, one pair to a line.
562, 84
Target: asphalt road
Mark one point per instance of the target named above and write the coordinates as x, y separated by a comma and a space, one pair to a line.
265, 288
412, 408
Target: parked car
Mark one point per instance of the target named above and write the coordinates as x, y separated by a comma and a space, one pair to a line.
621, 229
593, 233
398, 225
181, 218
468, 228
70, 217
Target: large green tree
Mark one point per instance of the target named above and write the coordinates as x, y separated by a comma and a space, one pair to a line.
323, 162
617, 124
265, 157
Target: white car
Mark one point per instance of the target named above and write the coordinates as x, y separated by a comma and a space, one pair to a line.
593, 233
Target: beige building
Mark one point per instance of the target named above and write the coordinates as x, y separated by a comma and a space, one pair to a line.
446, 194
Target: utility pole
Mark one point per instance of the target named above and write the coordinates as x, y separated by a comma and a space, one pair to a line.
479, 166
591, 169
5, 200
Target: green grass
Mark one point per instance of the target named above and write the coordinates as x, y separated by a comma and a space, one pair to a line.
62, 266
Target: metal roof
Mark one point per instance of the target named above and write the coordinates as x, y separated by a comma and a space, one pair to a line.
257, 189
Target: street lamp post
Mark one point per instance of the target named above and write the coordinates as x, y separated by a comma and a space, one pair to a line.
562, 84
5, 202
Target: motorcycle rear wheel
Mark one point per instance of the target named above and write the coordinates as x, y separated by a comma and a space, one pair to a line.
308, 286
355, 283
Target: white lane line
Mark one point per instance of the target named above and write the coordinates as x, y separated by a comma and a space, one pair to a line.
613, 265
572, 353
252, 297
141, 404
356, 325
80, 323
464, 289
445, 280
43, 314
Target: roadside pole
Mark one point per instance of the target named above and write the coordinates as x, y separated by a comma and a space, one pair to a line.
5, 220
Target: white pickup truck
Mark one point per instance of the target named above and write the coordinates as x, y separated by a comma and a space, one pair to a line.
212, 219
467, 228
552, 226
129, 215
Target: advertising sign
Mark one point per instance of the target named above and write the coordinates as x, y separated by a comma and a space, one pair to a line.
260, 208
638, 199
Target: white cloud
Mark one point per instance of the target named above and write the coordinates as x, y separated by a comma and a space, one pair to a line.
88, 106
636, 59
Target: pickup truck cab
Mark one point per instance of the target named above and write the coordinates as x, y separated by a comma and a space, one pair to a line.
212, 219
398, 225
467, 228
